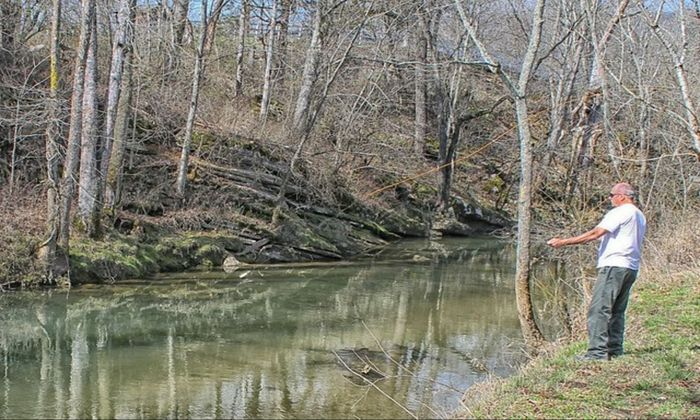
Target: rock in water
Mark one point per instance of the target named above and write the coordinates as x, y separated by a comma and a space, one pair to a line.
231, 264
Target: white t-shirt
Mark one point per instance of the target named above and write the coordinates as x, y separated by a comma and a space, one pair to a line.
622, 245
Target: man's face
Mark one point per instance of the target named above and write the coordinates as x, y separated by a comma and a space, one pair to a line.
616, 199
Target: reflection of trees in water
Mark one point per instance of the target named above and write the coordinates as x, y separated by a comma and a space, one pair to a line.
262, 346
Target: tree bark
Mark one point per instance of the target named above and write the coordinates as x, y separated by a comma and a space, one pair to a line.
240, 51
269, 58
212, 22
75, 126
47, 252
420, 88
531, 331
280, 75
122, 39
114, 174
678, 55
89, 178
181, 183
309, 75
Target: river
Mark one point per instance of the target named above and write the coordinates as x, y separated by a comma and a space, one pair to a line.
402, 334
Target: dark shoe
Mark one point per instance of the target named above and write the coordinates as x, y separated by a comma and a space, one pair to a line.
588, 358
614, 355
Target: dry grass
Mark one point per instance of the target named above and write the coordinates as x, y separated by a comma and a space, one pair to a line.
22, 221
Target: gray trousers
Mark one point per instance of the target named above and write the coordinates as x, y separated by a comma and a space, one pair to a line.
606, 315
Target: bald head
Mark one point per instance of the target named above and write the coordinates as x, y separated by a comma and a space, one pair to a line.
625, 189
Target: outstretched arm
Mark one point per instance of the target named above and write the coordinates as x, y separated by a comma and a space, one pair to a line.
589, 236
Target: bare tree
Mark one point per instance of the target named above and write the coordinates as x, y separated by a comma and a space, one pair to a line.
113, 181
531, 330
181, 183
269, 59
678, 53
123, 45
592, 112
75, 126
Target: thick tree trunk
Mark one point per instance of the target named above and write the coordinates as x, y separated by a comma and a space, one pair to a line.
75, 126
122, 39
47, 252
240, 51
313, 54
179, 20
531, 331
269, 59
89, 178
116, 110
116, 163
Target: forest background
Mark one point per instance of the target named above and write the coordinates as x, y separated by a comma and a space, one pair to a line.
283, 130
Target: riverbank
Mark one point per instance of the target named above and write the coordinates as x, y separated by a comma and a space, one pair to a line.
243, 205
659, 376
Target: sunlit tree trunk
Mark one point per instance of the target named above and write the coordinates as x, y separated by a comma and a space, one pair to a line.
113, 160
47, 252
75, 125
121, 43
179, 20
89, 177
240, 51
531, 331
420, 88
678, 54
115, 172
282, 43
309, 75
212, 23
181, 184
269, 59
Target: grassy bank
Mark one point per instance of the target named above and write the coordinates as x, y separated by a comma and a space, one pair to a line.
659, 376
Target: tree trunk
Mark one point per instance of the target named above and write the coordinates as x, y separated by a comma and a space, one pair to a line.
240, 51
280, 75
121, 42
75, 126
531, 331
116, 110
420, 88
181, 184
116, 164
89, 178
301, 111
212, 22
47, 252
269, 58
181, 9
593, 120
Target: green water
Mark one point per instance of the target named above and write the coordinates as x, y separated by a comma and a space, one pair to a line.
418, 325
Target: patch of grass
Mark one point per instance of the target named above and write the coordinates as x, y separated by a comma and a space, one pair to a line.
659, 376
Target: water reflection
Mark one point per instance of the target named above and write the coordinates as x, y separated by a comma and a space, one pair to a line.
424, 321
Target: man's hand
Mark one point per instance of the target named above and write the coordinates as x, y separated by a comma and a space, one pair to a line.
556, 242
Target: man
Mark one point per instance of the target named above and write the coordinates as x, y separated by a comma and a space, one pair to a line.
622, 232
